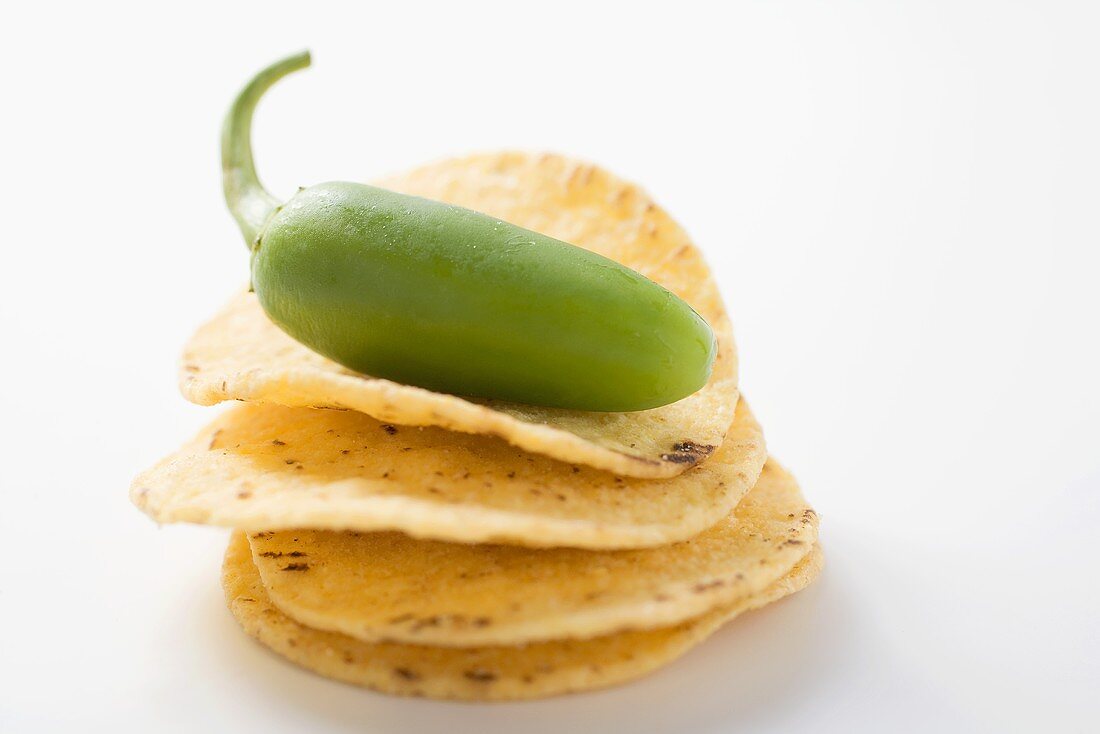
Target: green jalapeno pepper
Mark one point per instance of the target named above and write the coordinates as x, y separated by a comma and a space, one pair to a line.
449, 299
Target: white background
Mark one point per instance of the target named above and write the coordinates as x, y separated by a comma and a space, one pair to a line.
899, 199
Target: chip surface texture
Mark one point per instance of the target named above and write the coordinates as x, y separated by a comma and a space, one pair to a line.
388, 586
268, 467
502, 673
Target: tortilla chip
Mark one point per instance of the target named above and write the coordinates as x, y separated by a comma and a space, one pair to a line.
242, 355
268, 467
390, 587
480, 673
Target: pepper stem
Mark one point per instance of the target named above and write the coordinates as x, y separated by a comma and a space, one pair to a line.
248, 200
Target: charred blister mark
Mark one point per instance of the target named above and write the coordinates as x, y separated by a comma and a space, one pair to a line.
423, 622
480, 675
295, 567
214, 440
391, 430
688, 452
406, 673
708, 585
457, 621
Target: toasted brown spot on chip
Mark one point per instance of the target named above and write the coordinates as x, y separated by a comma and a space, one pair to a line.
480, 675
688, 452
406, 673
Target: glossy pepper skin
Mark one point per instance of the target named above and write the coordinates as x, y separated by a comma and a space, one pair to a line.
442, 297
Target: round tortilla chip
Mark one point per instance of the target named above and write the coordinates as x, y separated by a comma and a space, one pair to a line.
480, 673
269, 467
241, 355
390, 587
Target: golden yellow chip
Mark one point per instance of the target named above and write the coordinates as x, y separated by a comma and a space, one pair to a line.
480, 673
390, 587
241, 355
268, 467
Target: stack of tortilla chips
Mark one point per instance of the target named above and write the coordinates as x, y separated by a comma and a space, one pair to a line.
419, 543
